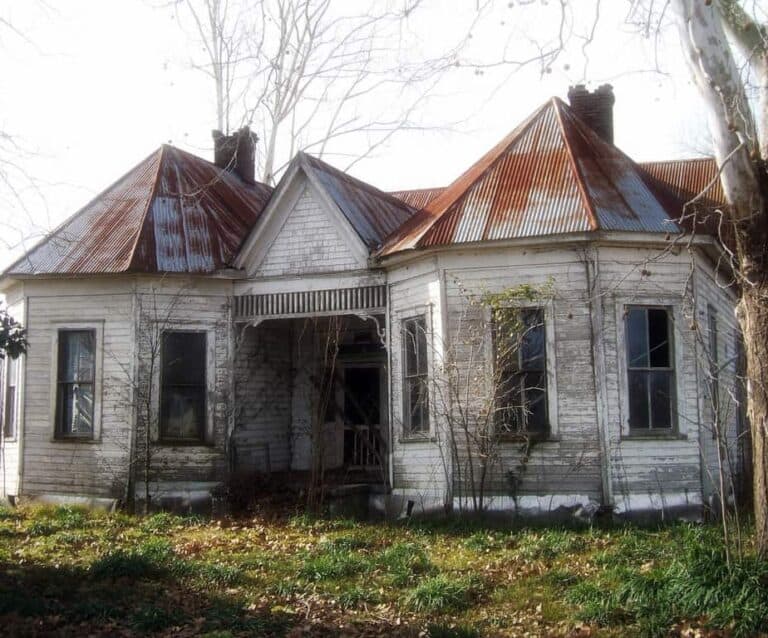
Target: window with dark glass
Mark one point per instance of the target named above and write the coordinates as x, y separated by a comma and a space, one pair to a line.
11, 397
76, 375
183, 386
650, 368
415, 375
520, 373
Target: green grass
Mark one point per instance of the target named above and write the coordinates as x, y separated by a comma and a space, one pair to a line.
70, 571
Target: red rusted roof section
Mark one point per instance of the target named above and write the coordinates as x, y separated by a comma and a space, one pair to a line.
419, 197
373, 214
174, 212
551, 175
689, 177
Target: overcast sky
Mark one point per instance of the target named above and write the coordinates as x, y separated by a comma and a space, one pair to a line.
94, 86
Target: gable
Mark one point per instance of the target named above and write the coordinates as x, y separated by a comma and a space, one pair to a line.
309, 240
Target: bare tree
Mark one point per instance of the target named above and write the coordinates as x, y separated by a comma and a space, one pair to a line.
310, 78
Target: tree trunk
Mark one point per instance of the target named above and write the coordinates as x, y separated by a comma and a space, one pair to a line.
753, 316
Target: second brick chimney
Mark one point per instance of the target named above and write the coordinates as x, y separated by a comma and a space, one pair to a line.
236, 153
594, 108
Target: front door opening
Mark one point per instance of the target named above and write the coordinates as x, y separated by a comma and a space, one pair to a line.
362, 416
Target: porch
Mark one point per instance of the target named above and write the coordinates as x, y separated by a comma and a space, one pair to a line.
311, 386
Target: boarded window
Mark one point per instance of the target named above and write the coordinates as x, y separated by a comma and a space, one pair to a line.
650, 368
520, 370
415, 376
11, 398
183, 387
76, 374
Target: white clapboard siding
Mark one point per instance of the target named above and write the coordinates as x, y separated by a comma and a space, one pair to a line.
308, 242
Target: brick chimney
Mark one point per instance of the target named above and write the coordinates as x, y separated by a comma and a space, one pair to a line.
236, 153
594, 108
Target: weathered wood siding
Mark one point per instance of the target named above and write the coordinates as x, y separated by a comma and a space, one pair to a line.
307, 242
98, 467
566, 466
658, 472
188, 304
713, 295
263, 398
420, 465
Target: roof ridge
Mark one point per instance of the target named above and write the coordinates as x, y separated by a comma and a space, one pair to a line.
373, 190
708, 158
52, 234
436, 210
591, 214
162, 153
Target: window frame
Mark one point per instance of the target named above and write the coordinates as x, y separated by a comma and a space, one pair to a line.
97, 328
207, 435
679, 415
4, 394
547, 308
407, 431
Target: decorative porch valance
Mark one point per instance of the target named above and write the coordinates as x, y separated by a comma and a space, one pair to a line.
367, 299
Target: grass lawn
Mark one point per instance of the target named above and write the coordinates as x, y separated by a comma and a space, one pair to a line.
70, 572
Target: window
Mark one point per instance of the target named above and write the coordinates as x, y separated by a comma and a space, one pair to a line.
520, 372
11, 397
415, 376
650, 368
183, 387
714, 367
75, 380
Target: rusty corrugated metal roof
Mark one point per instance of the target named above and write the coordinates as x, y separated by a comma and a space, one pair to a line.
689, 177
174, 212
418, 198
551, 175
373, 214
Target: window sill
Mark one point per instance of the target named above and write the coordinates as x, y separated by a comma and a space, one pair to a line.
417, 438
75, 439
654, 435
532, 437
171, 443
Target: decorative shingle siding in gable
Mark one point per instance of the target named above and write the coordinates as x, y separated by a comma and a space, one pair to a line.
308, 242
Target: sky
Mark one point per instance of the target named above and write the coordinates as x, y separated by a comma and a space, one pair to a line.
91, 87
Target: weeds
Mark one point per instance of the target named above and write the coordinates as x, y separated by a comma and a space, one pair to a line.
442, 592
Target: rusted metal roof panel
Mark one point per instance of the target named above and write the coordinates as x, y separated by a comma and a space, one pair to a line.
174, 212
418, 198
689, 177
373, 214
552, 175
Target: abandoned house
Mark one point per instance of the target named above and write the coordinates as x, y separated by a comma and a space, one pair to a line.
191, 327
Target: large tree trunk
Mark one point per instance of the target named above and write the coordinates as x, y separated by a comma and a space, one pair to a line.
737, 147
753, 316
